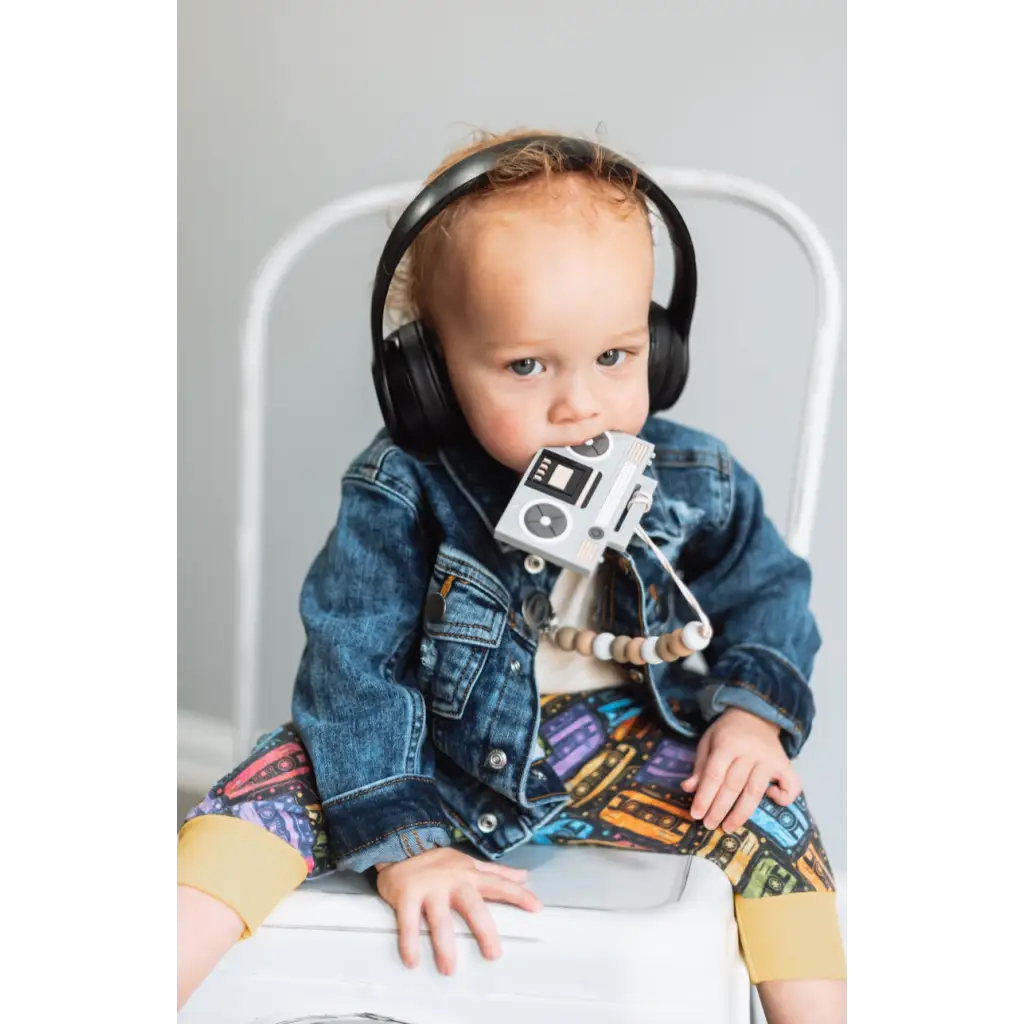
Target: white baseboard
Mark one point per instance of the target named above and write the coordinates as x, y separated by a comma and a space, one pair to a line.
204, 750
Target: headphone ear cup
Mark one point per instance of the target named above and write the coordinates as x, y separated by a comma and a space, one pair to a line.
419, 409
668, 362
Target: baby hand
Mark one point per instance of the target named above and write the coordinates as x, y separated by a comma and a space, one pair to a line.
737, 759
434, 883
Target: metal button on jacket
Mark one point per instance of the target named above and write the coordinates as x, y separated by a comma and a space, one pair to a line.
487, 823
497, 759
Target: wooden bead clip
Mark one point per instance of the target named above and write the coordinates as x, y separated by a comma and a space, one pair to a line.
641, 650
634, 650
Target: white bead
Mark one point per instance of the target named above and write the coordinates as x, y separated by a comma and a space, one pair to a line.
696, 636
648, 653
603, 646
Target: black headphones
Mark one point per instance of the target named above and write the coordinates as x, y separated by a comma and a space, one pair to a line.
420, 412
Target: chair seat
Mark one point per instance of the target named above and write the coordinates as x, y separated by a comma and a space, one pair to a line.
623, 936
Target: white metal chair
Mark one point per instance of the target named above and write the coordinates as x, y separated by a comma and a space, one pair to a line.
330, 948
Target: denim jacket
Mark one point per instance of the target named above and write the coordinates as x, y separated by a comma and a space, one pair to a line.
418, 726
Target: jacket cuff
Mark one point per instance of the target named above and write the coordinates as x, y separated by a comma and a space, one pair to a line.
764, 683
387, 822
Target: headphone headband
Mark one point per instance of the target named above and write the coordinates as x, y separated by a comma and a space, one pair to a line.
472, 175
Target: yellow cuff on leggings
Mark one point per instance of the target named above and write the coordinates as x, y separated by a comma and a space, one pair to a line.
791, 937
240, 864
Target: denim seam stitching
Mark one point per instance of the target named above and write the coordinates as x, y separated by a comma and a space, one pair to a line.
474, 577
397, 831
383, 784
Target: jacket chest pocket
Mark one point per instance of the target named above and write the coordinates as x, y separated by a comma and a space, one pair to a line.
464, 620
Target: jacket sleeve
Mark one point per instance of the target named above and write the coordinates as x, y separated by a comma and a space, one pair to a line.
756, 593
356, 704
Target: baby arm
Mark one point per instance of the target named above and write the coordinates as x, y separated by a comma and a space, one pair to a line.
357, 703
207, 929
757, 698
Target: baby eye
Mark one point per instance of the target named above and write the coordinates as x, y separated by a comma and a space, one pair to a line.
613, 357
525, 367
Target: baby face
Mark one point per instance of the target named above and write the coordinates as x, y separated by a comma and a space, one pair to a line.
542, 317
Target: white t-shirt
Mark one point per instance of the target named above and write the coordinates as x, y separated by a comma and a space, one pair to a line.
574, 600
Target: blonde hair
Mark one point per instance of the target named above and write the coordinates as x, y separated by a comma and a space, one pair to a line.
516, 171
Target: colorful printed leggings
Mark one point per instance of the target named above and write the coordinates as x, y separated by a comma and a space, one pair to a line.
623, 772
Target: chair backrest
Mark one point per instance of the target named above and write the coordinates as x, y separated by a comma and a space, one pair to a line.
252, 400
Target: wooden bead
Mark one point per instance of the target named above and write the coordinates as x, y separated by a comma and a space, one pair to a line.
633, 650
676, 645
585, 642
619, 645
663, 648
649, 651
696, 636
566, 638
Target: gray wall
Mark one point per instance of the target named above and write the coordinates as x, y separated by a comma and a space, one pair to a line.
284, 107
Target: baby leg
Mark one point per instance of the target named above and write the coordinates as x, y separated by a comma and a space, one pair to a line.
254, 838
